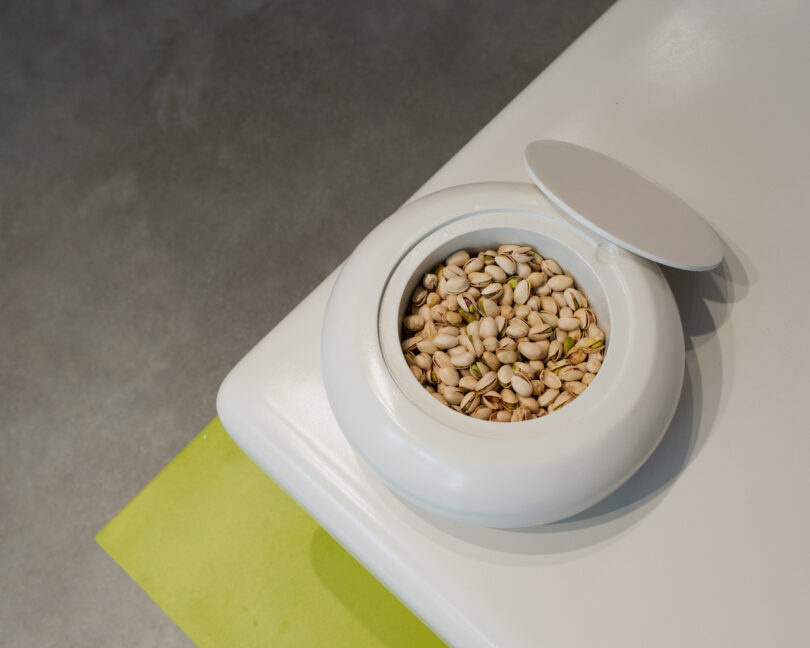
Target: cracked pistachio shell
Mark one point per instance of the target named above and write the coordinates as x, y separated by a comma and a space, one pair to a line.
524, 369
519, 414
413, 322
507, 343
534, 319
508, 297
505, 374
489, 256
575, 388
448, 330
482, 413
430, 281
487, 327
522, 312
536, 279
547, 397
521, 385
448, 375
506, 263
501, 416
411, 343
491, 360
523, 271
457, 285
538, 387
417, 373
470, 402
577, 356
531, 350
540, 332
423, 361
551, 267
426, 346
476, 264
454, 319
587, 379
565, 312
523, 254
487, 382
440, 359
488, 307
575, 299
445, 341
440, 398
491, 344
433, 299
548, 305
473, 328
465, 304
570, 374
534, 303
561, 400
550, 379
558, 283
496, 273
543, 291
462, 360
453, 395
593, 366
453, 271
493, 291
509, 399
555, 350
457, 258
479, 279
477, 345
517, 328
507, 356
568, 323
467, 383
530, 403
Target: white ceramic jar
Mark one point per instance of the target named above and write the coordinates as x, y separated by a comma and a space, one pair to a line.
482, 472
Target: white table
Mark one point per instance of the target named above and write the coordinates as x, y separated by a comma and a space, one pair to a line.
708, 544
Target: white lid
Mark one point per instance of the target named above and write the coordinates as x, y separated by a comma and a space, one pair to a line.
623, 206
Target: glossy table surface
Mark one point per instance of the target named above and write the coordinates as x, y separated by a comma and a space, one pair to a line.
707, 544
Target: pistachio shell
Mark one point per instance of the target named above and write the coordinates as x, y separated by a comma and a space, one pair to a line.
451, 271
519, 415
430, 281
454, 319
560, 282
570, 374
445, 341
522, 290
575, 388
530, 403
561, 400
507, 356
551, 267
509, 399
467, 383
506, 263
517, 328
487, 382
411, 343
457, 285
453, 395
470, 402
536, 279
458, 258
426, 346
479, 279
550, 379
491, 360
492, 400
548, 397
496, 273
482, 413
530, 350
568, 323
488, 307
505, 374
476, 264
521, 385
463, 360
417, 373
448, 375
540, 332
492, 291
487, 327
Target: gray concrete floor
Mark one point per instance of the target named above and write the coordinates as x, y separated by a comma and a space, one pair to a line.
168, 171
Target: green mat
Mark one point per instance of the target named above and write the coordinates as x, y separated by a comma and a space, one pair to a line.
235, 562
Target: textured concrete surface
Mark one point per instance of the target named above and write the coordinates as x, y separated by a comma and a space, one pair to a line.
168, 171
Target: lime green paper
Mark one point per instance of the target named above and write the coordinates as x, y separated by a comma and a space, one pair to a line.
235, 562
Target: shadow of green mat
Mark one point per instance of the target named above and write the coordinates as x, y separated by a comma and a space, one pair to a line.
365, 598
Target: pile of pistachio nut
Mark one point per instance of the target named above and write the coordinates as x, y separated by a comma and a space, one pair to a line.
502, 335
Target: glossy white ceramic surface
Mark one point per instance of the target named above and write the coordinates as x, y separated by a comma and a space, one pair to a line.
481, 472
706, 545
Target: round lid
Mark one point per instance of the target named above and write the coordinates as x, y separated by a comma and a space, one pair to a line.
623, 206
